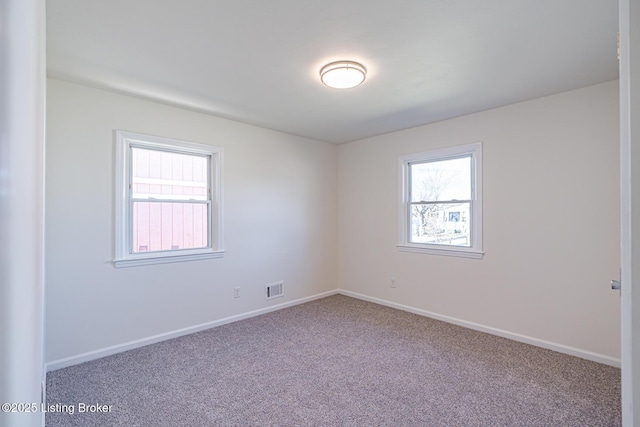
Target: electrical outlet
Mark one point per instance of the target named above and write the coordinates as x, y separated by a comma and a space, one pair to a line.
393, 282
236, 292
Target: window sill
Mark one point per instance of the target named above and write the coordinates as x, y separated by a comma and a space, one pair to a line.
445, 251
165, 259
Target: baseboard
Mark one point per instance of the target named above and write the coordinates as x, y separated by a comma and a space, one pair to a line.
43, 395
119, 348
584, 354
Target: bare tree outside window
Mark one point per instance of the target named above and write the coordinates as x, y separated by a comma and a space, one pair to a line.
440, 194
440, 201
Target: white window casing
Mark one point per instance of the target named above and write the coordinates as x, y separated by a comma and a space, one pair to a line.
125, 255
472, 248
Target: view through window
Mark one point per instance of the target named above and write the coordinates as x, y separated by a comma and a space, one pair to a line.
170, 195
440, 200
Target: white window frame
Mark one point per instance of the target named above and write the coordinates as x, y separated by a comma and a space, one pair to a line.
475, 249
124, 255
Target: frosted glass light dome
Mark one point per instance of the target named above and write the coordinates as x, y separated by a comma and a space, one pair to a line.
343, 74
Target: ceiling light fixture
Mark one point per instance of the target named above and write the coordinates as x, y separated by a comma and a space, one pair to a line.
343, 74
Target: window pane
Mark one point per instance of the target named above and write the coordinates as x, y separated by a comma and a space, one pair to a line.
169, 226
440, 223
442, 180
165, 175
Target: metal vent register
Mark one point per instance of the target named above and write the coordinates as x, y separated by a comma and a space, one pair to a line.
275, 290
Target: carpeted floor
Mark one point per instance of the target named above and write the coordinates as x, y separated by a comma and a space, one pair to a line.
338, 361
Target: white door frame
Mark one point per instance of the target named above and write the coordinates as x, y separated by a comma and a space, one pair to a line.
22, 126
629, 21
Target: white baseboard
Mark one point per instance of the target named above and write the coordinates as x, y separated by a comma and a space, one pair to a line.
560, 348
119, 348
43, 396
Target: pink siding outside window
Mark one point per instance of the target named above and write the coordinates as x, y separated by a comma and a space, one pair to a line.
169, 222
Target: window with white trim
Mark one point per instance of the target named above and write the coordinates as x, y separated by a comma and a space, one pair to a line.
168, 204
441, 202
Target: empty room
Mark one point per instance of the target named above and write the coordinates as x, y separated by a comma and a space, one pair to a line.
290, 213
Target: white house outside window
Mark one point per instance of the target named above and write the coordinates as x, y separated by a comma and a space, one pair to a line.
441, 202
168, 200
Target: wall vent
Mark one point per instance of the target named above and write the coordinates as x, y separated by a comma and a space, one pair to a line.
275, 290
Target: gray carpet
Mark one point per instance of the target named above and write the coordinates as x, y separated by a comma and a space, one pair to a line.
338, 361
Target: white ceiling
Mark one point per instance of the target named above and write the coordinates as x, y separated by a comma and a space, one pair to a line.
258, 61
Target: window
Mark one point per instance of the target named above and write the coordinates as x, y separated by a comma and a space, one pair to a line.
168, 200
441, 202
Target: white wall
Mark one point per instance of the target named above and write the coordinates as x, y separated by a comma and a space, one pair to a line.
551, 221
280, 223
551, 206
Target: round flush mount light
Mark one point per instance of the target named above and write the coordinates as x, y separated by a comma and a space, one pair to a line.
343, 74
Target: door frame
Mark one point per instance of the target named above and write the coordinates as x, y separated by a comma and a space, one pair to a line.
629, 22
